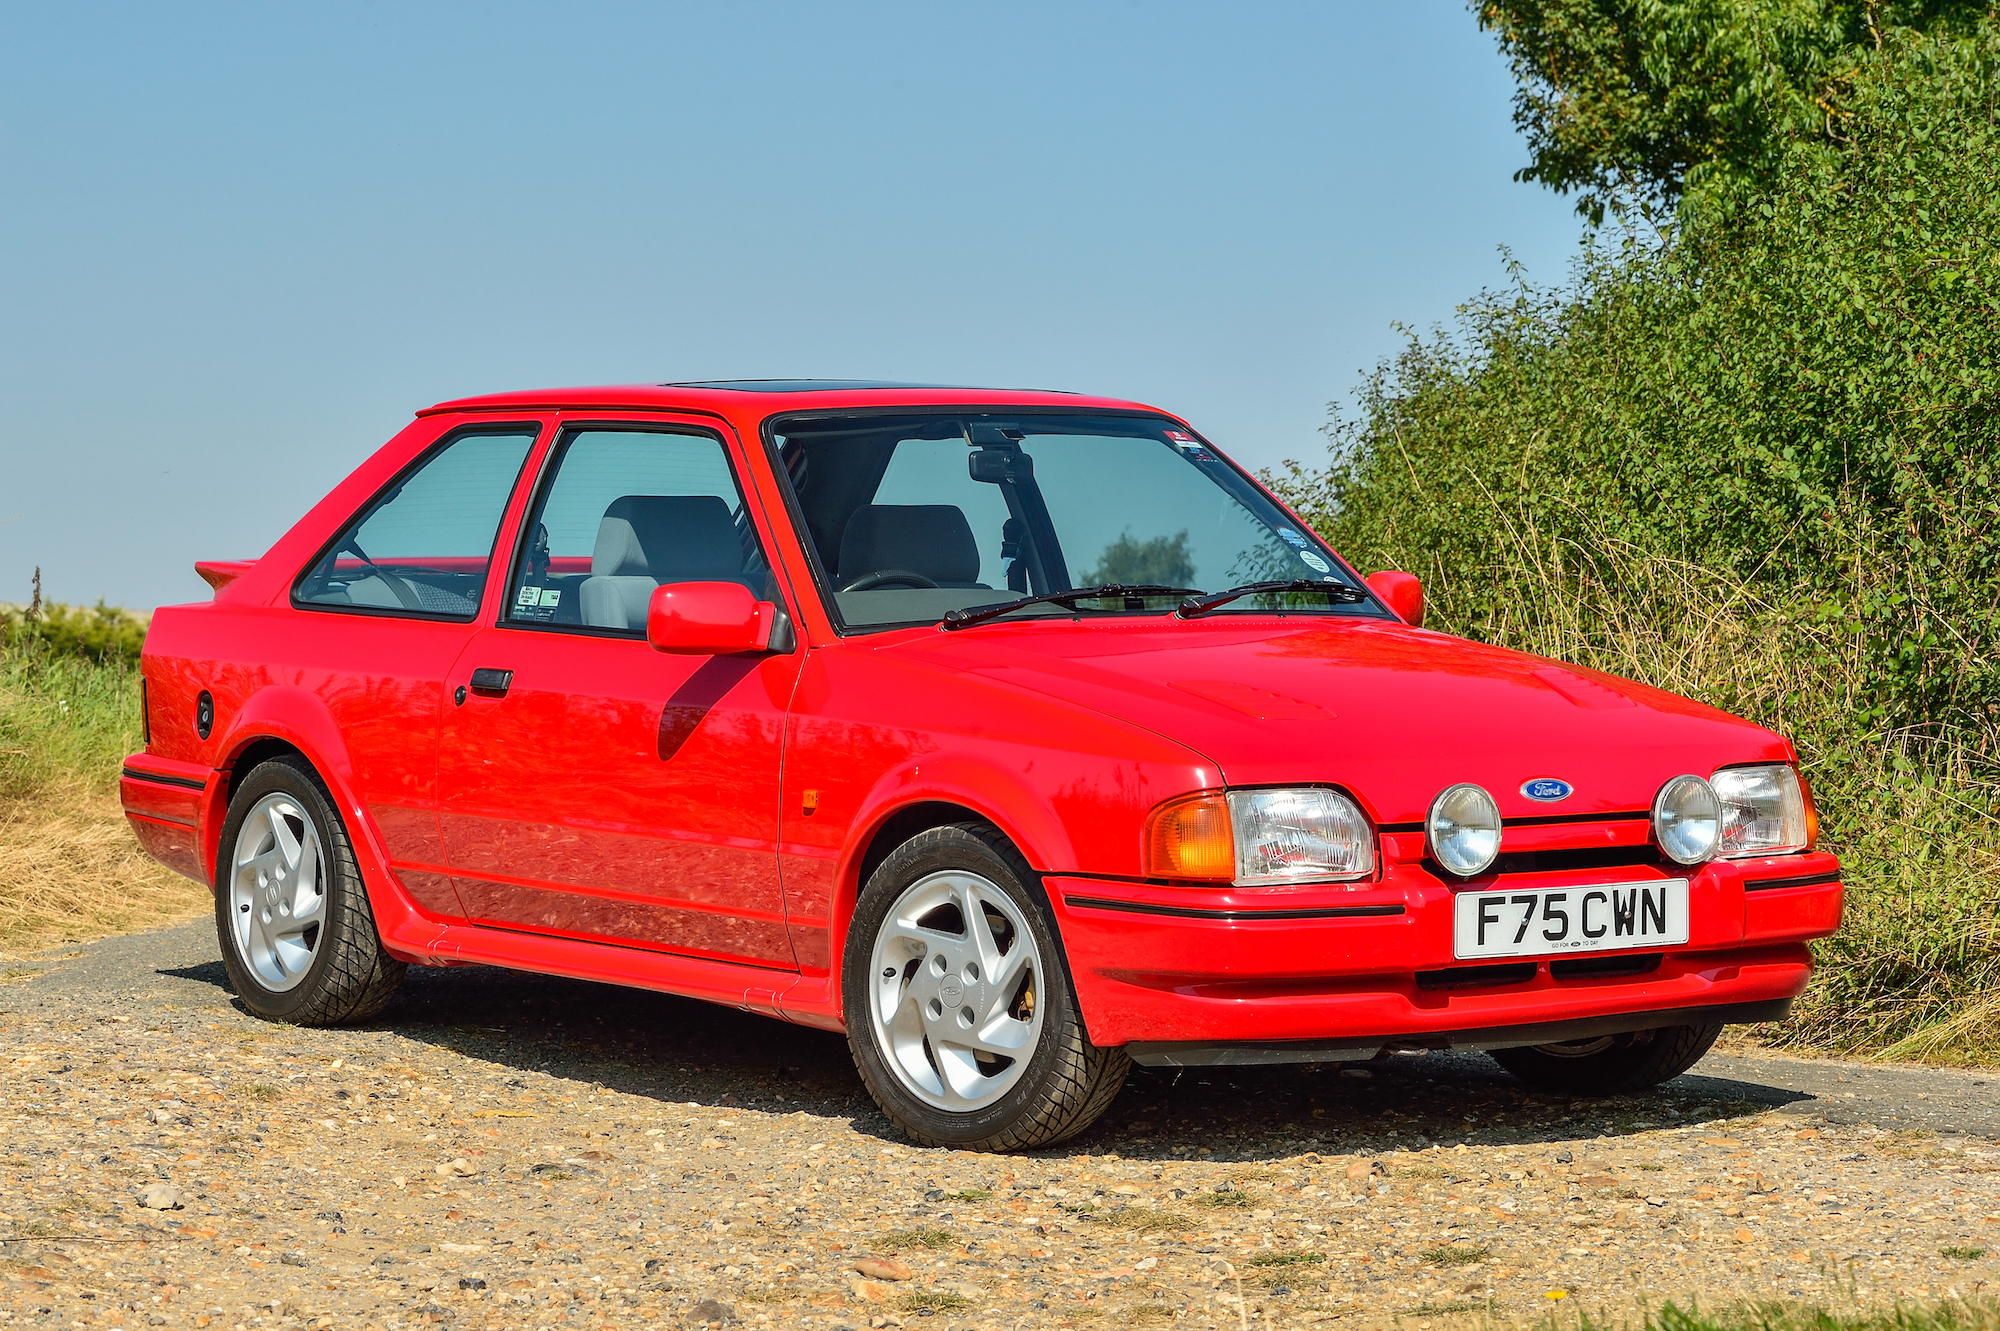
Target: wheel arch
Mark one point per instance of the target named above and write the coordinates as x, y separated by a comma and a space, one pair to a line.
283, 719
896, 825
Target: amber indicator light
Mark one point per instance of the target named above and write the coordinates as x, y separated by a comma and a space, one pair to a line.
1191, 838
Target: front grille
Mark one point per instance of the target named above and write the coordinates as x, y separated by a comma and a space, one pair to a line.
1587, 857
1476, 977
1591, 968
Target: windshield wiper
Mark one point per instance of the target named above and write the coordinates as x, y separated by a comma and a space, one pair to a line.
979, 614
1337, 592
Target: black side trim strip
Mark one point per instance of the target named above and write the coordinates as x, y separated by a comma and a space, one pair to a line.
1401, 827
1550, 820
186, 782
1193, 913
1808, 880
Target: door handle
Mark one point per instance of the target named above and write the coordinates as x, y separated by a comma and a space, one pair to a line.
490, 683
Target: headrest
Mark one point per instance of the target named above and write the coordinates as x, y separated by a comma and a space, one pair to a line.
932, 539
669, 538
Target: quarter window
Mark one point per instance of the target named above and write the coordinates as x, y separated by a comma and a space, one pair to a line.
627, 511
423, 546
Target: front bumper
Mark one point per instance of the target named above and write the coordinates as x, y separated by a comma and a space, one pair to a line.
1357, 1049
1168, 971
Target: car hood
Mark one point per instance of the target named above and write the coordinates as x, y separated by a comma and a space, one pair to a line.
1391, 713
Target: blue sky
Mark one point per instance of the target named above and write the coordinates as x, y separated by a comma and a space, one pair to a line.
243, 243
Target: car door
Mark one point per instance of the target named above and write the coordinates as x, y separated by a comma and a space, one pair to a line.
390, 603
590, 786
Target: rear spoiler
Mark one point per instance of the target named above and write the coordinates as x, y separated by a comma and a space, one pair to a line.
219, 573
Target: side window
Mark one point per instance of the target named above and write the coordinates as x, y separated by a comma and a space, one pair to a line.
423, 546
624, 512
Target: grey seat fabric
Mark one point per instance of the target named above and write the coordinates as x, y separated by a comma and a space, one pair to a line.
932, 539
646, 540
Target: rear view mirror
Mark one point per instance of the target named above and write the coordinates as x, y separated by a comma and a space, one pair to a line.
714, 619
1402, 593
995, 465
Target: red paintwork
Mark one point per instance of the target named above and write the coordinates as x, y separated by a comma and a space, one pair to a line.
707, 619
1402, 593
699, 823
219, 573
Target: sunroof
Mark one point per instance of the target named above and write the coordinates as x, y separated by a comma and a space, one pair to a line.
796, 385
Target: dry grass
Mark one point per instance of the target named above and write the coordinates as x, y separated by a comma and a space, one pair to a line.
899, 1240
1142, 1219
70, 869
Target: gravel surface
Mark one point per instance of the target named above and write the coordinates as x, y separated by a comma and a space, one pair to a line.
510, 1150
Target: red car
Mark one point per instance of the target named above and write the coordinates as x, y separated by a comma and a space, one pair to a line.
1017, 735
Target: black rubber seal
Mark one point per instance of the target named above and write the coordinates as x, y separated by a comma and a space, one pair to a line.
1196, 913
185, 782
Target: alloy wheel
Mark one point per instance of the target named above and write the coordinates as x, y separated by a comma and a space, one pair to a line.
277, 892
954, 989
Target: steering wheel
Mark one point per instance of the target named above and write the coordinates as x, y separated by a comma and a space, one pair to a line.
886, 577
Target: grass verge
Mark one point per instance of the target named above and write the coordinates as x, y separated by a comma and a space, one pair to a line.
69, 867
1976, 1314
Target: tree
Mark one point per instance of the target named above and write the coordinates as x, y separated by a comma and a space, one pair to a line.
1632, 104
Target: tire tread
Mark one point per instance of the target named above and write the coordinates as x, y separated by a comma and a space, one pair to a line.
358, 979
1085, 1078
1671, 1051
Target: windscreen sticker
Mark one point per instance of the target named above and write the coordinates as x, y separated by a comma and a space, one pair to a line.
1190, 447
1291, 538
537, 602
1314, 562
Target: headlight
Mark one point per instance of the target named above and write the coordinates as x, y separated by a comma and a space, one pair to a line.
1765, 810
1464, 829
1687, 819
1258, 837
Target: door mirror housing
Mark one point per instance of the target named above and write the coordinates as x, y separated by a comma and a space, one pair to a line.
1402, 593
715, 619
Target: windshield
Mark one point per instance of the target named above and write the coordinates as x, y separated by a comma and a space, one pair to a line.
910, 516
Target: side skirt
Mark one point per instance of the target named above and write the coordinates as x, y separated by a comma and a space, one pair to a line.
772, 993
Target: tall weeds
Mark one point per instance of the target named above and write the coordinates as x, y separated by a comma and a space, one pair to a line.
1756, 464
69, 867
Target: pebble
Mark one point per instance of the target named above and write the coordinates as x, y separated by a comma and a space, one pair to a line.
710, 1311
881, 1268
161, 1197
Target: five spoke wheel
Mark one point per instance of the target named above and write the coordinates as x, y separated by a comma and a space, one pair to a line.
277, 891
953, 1003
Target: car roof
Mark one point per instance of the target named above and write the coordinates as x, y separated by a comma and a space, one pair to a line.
720, 396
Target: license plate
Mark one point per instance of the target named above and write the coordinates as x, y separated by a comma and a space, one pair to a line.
1551, 920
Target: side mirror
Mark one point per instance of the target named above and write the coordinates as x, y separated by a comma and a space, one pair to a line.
715, 619
1402, 593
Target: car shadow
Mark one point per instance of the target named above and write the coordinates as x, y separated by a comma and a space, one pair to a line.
666, 1048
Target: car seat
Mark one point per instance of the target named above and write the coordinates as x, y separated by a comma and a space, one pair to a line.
646, 540
932, 539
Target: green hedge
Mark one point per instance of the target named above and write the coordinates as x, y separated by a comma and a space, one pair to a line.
1754, 462
103, 633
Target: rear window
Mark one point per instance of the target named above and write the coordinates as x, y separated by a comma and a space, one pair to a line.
423, 546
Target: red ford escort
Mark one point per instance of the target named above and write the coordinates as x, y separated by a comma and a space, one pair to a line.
1017, 735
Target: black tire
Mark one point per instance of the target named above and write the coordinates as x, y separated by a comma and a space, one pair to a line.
350, 978
1068, 1082
1610, 1064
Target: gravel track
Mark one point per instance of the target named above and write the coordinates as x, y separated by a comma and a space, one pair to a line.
510, 1150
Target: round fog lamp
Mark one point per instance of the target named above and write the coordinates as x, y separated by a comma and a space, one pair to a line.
1464, 829
1687, 819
